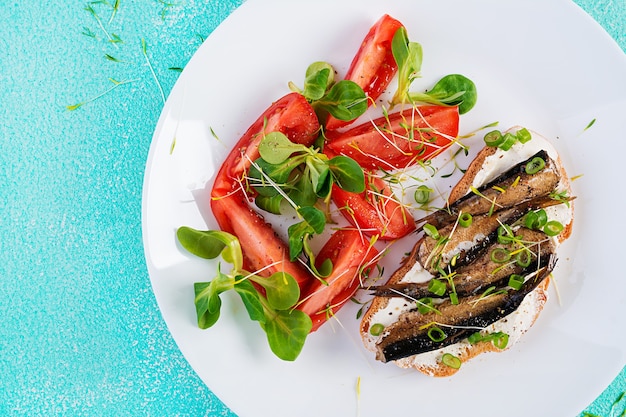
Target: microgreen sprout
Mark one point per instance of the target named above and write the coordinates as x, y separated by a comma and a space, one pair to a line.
591, 123
166, 6
89, 8
88, 32
561, 196
115, 85
286, 328
451, 361
145, 54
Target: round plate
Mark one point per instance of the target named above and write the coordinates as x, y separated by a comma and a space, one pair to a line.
543, 65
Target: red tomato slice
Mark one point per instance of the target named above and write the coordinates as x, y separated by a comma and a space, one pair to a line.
375, 211
400, 139
350, 253
262, 248
373, 66
292, 115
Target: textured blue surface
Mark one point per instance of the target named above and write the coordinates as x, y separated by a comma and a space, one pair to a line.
81, 331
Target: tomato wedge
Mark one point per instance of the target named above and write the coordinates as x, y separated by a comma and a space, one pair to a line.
350, 254
262, 248
373, 66
375, 211
400, 139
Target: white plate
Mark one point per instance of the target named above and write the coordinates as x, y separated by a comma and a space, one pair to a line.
541, 64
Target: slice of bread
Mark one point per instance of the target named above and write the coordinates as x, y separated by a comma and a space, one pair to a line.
524, 317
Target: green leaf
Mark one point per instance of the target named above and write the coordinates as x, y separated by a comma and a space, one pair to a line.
278, 173
287, 331
250, 298
297, 233
347, 173
275, 147
319, 76
344, 101
451, 90
325, 269
281, 289
302, 192
271, 204
319, 173
408, 57
314, 218
209, 244
313, 222
207, 299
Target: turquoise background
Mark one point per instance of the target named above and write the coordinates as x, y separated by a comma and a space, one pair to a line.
81, 332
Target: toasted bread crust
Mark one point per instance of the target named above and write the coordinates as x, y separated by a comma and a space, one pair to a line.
467, 352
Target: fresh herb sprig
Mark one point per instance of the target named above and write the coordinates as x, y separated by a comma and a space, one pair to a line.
451, 90
286, 328
301, 176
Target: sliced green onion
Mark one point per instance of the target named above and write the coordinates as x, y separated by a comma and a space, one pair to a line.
500, 255
376, 329
500, 340
505, 234
425, 305
552, 228
422, 194
454, 298
516, 281
450, 360
431, 231
523, 135
509, 141
494, 138
465, 220
535, 165
523, 258
475, 338
437, 287
531, 220
436, 334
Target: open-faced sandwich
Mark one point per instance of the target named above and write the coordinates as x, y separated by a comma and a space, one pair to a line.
477, 279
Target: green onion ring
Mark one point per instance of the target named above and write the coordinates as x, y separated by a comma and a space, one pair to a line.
422, 194
376, 329
523, 258
425, 305
494, 138
436, 334
553, 228
523, 135
509, 141
516, 281
450, 360
500, 340
505, 234
535, 165
437, 287
500, 255
465, 220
